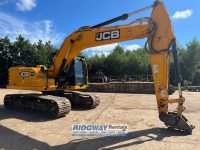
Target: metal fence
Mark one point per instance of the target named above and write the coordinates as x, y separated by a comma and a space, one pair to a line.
126, 78
131, 78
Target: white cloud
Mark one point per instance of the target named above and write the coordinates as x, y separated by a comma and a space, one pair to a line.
182, 14
100, 53
26, 5
99, 50
132, 47
107, 47
43, 30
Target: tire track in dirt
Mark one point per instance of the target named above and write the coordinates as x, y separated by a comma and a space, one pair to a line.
99, 114
104, 109
135, 108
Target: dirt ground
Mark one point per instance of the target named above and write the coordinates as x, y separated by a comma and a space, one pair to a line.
19, 130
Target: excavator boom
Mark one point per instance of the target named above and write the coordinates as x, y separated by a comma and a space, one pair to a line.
91, 37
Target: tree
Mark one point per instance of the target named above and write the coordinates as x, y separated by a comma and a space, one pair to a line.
5, 58
190, 60
44, 53
96, 63
118, 62
121, 62
23, 52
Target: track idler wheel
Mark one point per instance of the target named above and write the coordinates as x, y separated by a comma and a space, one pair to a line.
83, 100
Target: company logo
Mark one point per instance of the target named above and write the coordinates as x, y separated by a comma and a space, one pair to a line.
108, 35
24, 74
99, 130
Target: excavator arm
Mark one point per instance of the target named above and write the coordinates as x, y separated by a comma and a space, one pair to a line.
160, 42
91, 37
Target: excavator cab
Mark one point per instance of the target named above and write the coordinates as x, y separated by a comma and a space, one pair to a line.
75, 75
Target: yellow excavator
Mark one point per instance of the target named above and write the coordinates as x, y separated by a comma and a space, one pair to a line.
68, 73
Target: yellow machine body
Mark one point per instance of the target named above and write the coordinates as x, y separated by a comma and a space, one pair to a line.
29, 78
33, 78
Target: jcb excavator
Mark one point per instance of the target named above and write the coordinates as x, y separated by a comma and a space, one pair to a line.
69, 73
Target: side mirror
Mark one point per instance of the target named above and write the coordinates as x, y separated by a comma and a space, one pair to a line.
43, 69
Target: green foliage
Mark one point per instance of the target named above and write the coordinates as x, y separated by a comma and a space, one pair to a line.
44, 53
119, 62
23, 53
5, 58
190, 61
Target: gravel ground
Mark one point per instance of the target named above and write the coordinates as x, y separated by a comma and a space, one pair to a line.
23, 131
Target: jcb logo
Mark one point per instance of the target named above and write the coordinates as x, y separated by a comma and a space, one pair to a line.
24, 74
108, 35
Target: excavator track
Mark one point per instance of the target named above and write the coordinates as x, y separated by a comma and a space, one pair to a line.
53, 106
77, 98
81, 99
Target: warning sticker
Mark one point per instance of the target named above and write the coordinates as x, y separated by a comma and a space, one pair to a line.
155, 68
